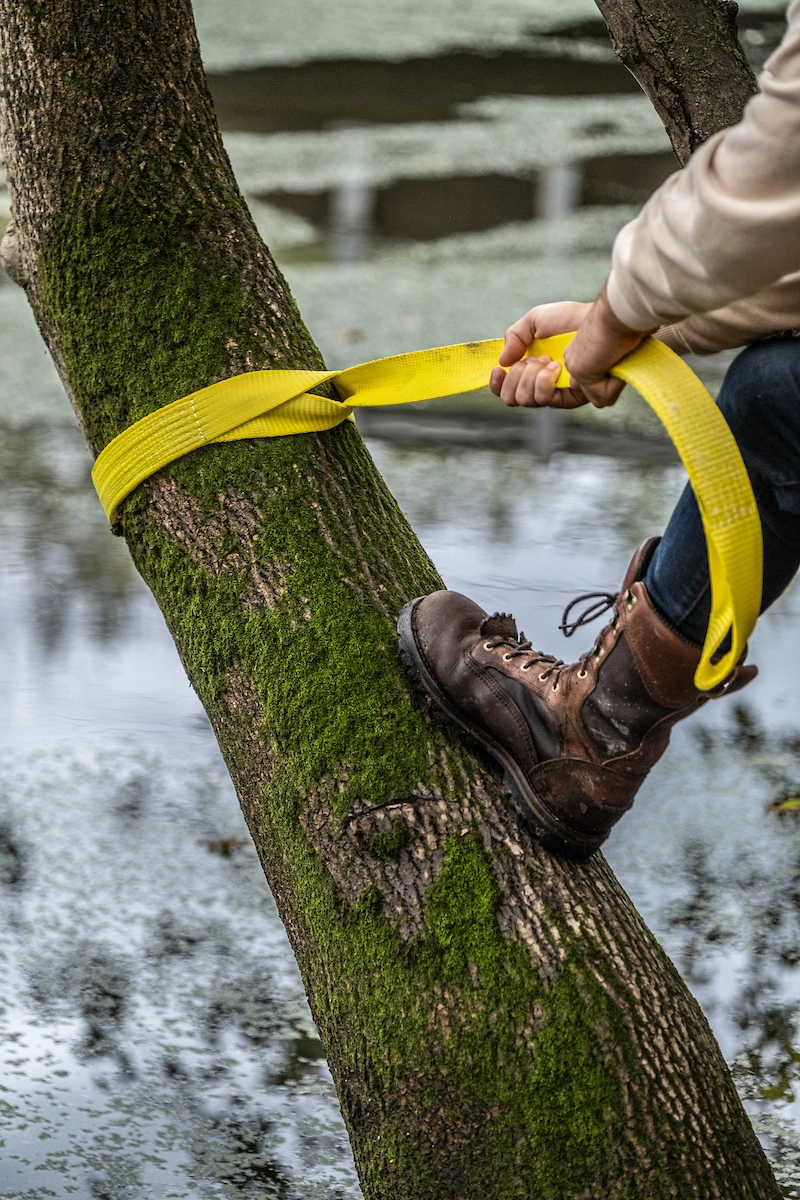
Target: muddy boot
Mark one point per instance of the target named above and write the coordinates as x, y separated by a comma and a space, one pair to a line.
577, 740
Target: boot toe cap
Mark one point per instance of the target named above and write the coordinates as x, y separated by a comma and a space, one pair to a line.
439, 625
441, 621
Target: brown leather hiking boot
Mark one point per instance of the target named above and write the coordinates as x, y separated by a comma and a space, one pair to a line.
576, 741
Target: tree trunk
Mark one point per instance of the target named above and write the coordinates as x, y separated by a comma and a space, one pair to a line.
687, 57
499, 1023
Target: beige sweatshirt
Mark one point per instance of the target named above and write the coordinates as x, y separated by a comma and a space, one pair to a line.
715, 252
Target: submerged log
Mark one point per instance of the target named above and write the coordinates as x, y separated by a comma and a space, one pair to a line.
498, 1023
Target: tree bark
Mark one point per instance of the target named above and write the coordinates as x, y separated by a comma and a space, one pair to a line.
498, 1023
687, 58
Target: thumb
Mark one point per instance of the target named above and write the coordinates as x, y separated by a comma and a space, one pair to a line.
513, 350
518, 337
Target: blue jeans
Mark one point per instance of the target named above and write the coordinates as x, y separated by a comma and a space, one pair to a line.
760, 399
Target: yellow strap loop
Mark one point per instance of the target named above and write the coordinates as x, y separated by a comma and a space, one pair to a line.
276, 403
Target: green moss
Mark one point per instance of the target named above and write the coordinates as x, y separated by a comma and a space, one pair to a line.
116, 277
393, 841
539, 1127
324, 665
114, 274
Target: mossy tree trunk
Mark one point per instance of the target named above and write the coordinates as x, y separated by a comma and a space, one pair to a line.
498, 1023
687, 57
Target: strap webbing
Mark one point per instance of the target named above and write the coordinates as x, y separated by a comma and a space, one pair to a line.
276, 403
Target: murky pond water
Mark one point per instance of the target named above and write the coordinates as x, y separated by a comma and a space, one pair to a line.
439, 170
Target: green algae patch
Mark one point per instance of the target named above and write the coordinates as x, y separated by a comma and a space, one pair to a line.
789, 806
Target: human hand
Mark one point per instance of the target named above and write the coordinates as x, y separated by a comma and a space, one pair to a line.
601, 341
530, 382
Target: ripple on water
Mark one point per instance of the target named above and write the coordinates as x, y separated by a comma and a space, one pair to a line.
155, 1036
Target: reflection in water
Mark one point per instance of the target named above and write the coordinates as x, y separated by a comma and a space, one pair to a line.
427, 208
559, 190
50, 522
352, 207
155, 1037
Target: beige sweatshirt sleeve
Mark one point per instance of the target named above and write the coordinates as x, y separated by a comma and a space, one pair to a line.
727, 226
776, 308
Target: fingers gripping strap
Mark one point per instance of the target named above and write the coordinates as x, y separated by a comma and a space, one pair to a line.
276, 403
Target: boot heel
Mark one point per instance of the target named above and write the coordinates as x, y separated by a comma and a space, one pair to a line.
552, 842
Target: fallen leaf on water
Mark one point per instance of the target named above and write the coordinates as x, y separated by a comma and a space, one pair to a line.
789, 804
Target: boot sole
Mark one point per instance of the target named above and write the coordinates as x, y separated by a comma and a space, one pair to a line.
516, 788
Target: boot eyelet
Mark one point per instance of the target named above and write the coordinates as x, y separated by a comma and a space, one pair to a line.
525, 667
488, 646
543, 677
507, 657
555, 686
582, 674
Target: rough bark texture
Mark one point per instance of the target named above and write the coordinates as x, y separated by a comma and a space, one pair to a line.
687, 57
499, 1023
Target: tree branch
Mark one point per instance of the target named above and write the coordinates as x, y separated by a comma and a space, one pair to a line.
687, 57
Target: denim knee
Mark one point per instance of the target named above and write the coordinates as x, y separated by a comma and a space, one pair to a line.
761, 402
760, 399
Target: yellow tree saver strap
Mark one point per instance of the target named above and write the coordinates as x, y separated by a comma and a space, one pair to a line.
276, 403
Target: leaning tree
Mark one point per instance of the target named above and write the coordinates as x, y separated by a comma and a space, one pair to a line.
498, 1022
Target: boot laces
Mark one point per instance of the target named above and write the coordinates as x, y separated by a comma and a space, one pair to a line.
603, 601
553, 666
